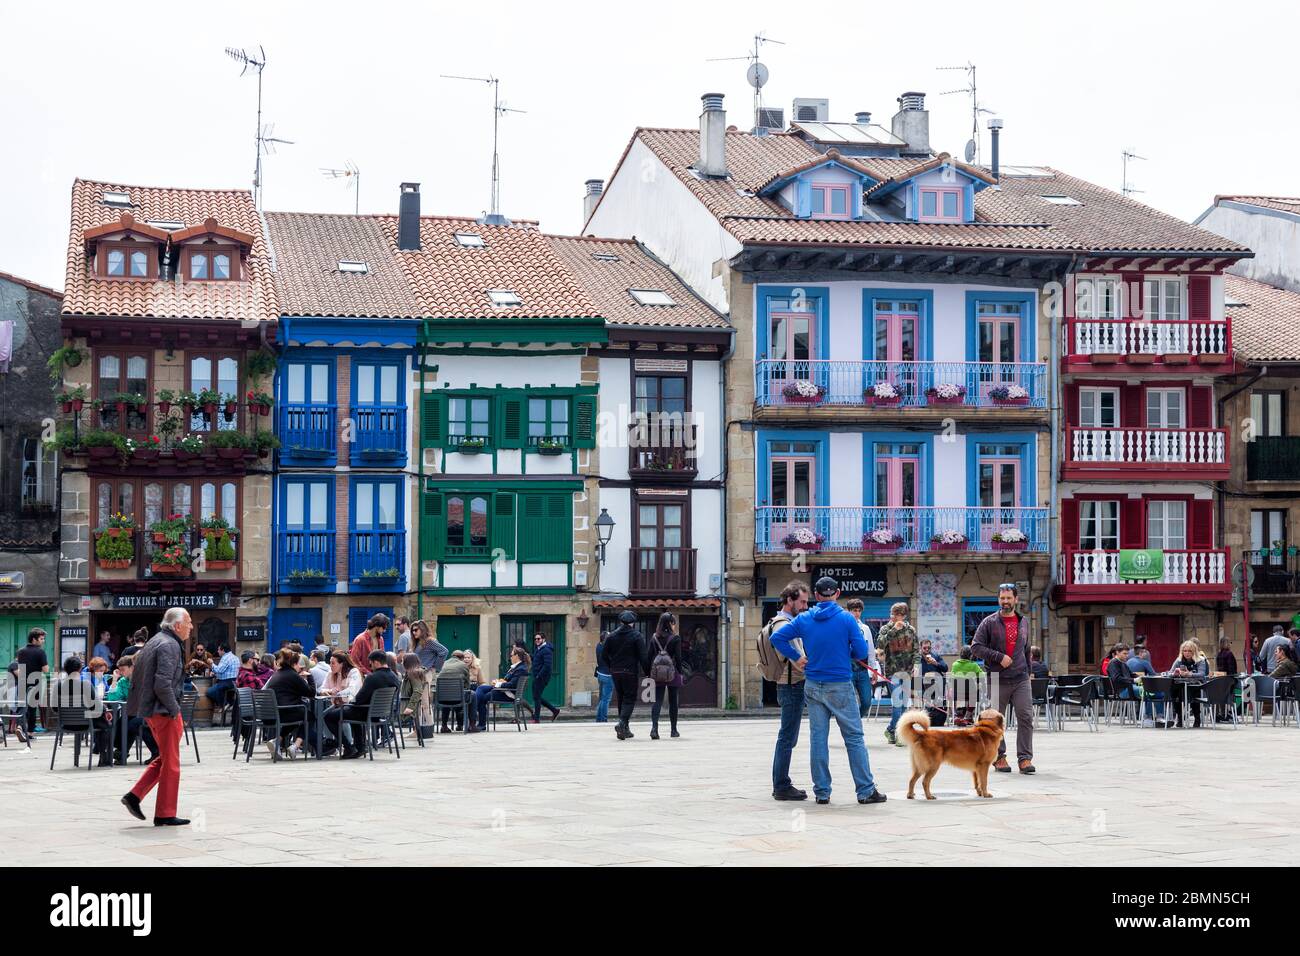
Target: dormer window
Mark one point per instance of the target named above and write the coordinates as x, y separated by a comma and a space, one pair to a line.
209, 264
127, 260
941, 205
829, 201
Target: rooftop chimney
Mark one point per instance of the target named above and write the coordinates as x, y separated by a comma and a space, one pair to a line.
911, 124
995, 130
408, 217
713, 137
594, 189
862, 118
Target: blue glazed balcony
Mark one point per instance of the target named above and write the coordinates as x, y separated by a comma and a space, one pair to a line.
946, 386
380, 433
916, 531
305, 560
377, 560
309, 433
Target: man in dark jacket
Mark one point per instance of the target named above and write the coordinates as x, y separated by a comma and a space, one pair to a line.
932, 661
624, 653
1001, 643
380, 676
543, 663
155, 697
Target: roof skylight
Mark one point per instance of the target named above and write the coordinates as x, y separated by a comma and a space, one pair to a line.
1061, 200
651, 297
504, 297
353, 265
470, 240
112, 198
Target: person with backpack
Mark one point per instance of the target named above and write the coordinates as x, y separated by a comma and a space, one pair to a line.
624, 654
831, 642
664, 665
789, 681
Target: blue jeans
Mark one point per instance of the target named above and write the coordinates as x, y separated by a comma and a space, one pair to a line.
790, 696
898, 696
862, 684
606, 692
838, 700
217, 692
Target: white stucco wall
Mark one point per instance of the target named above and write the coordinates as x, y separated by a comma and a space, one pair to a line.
706, 401
706, 535
509, 371
844, 458
1272, 235
950, 471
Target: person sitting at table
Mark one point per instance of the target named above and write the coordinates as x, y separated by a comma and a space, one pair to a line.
416, 684
1225, 660
96, 672
1187, 665
475, 668
1284, 663
341, 686
291, 691
1121, 677
320, 666
74, 691
253, 673
379, 676
200, 664
502, 689
1037, 669
455, 669
135, 726
1139, 664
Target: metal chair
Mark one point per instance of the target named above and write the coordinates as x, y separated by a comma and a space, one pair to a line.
1284, 701
962, 691
1214, 694
449, 692
379, 717
1124, 700
267, 719
245, 720
1040, 697
1158, 691
880, 698
1107, 698
515, 706
189, 700
11, 710
1082, 696
74, 720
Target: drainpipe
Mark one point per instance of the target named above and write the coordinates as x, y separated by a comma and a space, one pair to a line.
273, 582
725, 663
419, 489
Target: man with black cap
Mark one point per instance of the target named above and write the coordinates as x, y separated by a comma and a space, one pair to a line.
625, 649
832, 641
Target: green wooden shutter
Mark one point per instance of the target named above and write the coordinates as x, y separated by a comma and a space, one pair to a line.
433, 420
503, 523
584, 421
511, 427
433, 527
546, 527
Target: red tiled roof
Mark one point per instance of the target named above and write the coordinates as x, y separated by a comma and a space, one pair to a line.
34, 286
1267, 325
634, 604
1104, 221
1280, 203
607, 282
250, 297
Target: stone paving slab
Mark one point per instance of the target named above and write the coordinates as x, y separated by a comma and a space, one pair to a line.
569, 794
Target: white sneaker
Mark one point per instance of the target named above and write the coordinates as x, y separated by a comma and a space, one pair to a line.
295, 750
1148, 722
271, 745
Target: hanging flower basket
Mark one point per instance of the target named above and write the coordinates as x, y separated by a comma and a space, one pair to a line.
65, 407
209, 408
164, 408
188, 409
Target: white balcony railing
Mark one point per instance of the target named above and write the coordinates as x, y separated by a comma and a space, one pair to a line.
1181, 568
1127, 337
1141, 446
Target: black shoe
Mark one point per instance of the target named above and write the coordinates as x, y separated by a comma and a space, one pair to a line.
876, 797
170, 822
622, 732
654, 733
555, 715
132, 803
444, 729
674, 733
350, 755
823, 800
790, 793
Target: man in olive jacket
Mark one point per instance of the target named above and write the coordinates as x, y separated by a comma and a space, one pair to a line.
155, 697
1001, 642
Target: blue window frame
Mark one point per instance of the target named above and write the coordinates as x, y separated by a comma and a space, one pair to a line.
305, 531
874, 303
308, 410
379, 408
1028, 313
1000, 446
376, 531
974, 610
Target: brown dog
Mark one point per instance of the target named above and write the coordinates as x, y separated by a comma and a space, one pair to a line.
969, 748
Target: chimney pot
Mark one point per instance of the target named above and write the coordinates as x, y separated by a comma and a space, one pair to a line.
408, 217
595, 187
713, 137
911, 124
995, 130
862, 118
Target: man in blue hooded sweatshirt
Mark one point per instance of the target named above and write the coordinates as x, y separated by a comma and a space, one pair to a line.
831, 642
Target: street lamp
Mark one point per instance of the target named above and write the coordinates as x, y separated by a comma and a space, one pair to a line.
604, 531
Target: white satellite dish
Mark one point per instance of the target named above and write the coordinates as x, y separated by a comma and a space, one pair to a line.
756, 75
970, 151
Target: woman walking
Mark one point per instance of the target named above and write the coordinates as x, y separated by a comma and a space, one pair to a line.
664, 665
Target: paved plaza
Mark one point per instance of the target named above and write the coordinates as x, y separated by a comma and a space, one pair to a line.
570, 794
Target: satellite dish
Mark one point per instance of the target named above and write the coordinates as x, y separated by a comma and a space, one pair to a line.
756, 75
970, 151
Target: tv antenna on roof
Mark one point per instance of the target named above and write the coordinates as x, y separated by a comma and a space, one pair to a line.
1125, 188
499, 109
265, 140
757, 75
973, 146
352, 174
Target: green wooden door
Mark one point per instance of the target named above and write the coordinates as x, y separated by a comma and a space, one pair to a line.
459, 632
523, 627
13, 636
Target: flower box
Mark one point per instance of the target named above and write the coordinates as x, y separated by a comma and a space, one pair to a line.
147, 454
1023, 400
216, 532
160, 537
114, 564
170, 570
805, 399
939, 400
119, 532
1212, 358
1009, 545
184, 455
218, 565
880, 547
949, 546
1177, 358
1105, 358
101, 451
892, 401
230, 453
550, 450
1141, 358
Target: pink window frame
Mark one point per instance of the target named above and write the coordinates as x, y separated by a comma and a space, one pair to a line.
789, 367
939, 192
827, 188
782, 528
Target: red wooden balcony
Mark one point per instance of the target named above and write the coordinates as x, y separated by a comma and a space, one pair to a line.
1190, 575
1121, 454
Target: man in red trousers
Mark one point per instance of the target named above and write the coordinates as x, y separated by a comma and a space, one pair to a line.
155, 696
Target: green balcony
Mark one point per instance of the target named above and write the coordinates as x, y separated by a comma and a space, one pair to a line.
1273, 459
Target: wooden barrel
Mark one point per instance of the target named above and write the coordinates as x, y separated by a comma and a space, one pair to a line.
203, 706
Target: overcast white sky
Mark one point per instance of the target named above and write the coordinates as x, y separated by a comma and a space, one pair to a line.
142, 93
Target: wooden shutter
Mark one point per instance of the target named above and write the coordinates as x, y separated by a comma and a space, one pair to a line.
433, 527
433, 420
503, 523
1132, 523
1069, 522
510, 421
1200, 407
546, 527
1071, 405
1132, 406
1198, 298
584, 421
1200, 523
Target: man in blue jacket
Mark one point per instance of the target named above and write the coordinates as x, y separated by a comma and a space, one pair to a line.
831, 642
543, 661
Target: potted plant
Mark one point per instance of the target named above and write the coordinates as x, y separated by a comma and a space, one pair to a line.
230, 444
188, 401
188, 448
171, 561
208, 399
147, 449
307, 576
164, 398
882, 539
550, 446
883, 394
260, 402
72, 399
215, 526
1009, 395
803, 539
113, 552
218, 553
259, 363
945, 393
1009, 539
229, 403
170, 530
1278, 545
64, 440
65, 356
949, 539
471, 444
103, 444
379, 574
265, 442
168, 428
803, 392
119, 526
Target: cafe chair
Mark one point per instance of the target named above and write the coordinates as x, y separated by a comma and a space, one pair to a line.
268, 719
378, 718
190, 700
450, 694
515, 706
1124, 701
1284, 701
74, 721
1082, 696
1040, 699
245, 721
1215, 694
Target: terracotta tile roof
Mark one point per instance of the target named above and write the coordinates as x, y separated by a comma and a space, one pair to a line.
607, 282
1104, 222
1280, 203
252, 297
34, 286
911, 169
817, 159
635, 604
1267, 325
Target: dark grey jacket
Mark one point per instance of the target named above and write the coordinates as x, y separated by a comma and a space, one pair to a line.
159, 673
990, 645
